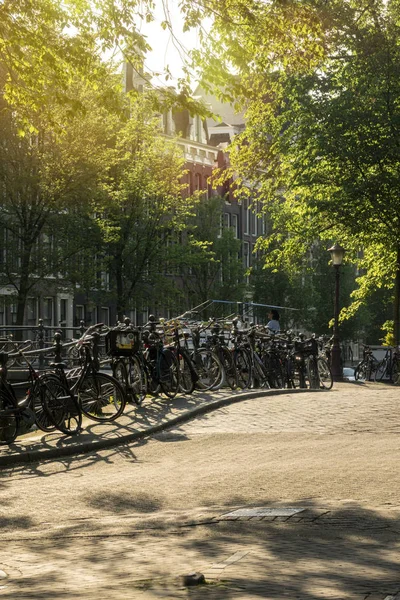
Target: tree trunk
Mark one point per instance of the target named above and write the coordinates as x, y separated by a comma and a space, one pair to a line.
396, 307
24, 287
119, 286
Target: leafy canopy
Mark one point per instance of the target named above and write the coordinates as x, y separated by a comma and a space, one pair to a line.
320, 85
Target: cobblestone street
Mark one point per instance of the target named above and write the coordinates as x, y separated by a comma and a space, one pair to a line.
130, 521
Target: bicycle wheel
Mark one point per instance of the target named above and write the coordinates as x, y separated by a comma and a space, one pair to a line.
101, 397
395, 374
300, 374
153, 386
186, 383
10, 348
312, 373
226, 358
360, 372
9, 422
325, 374
42, 418
60, 405
275, 373
120, 373
259, 372
137, 378
372, 366
209, 369
168, 372
380, 370
288, 372
243, 367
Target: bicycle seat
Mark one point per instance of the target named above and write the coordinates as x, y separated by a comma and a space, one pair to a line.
58, 365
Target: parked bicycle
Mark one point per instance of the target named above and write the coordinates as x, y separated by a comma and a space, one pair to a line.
367, 366
388, 367
100, 396
18, 415
123, 344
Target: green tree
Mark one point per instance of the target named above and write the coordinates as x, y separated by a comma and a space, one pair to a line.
49, 186
321, 143
143, 209
47, 43
213, 266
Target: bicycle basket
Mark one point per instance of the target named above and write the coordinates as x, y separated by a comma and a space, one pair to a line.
306, 348
123, 342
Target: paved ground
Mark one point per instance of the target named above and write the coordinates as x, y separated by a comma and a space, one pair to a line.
129, 521
136, 422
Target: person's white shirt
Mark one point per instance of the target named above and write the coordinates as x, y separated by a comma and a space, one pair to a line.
274, 326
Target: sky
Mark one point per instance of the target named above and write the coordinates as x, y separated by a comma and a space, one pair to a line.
166, 49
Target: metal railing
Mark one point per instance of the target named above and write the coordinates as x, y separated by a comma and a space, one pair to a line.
47, 341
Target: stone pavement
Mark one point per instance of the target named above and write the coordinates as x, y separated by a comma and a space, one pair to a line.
153, 416
336, 554
338, 550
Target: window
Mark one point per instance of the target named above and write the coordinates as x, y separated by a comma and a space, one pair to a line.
261, 225
3, 246
253, 222
246, 254
63, 310
199, 129
79, 313
221, 224
226, 219
246, 216
31, 309
48, 311
105, 315
235, 225
199, 182
13, 310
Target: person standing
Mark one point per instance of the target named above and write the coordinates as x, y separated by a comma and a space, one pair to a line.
273, 323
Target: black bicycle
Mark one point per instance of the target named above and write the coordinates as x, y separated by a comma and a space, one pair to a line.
388, 367
18, 415
100, 396
123, 344
367, 366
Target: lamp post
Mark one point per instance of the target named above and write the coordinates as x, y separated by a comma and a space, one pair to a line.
337, 253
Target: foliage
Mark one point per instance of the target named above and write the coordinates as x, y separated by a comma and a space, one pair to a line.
321, 143
142, 210
46, 44
49, 183
212, 265
388, 339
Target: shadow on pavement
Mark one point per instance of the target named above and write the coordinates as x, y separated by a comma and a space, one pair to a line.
349, 553
154, 411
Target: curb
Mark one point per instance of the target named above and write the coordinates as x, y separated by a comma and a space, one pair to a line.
94, 446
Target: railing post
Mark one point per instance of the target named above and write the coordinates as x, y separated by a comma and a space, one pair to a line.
82, 328
95, 350
57, 347
40, 335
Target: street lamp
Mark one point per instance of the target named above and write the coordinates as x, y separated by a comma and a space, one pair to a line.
337, 253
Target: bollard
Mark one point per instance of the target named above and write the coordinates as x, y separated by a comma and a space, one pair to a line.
40, 336
57, 347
